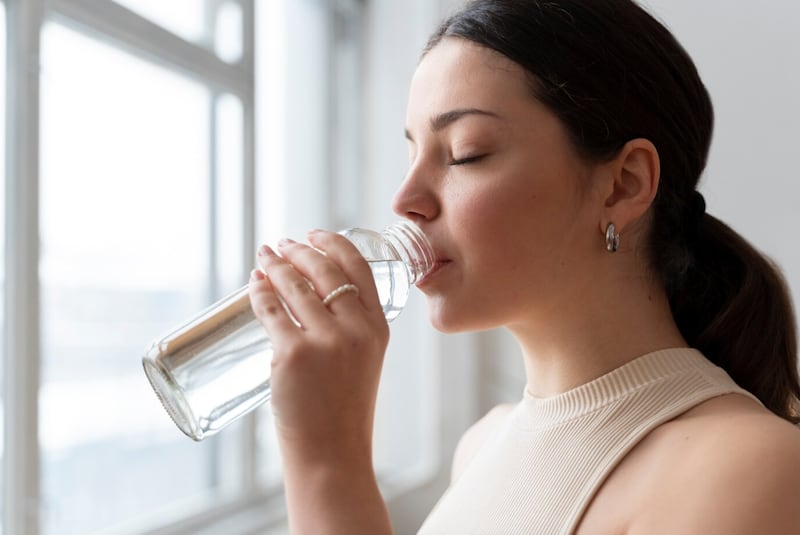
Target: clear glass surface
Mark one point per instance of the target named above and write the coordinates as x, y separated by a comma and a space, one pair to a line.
214, 369
125, 248
228, 32
229, 232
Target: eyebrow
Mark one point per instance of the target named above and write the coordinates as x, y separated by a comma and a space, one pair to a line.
443, 120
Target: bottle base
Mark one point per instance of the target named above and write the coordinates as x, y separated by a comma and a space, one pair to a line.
170, 396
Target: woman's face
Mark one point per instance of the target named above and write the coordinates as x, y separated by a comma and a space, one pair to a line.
500, 191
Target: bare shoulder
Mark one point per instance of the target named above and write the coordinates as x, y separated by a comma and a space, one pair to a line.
474, 437
730, 466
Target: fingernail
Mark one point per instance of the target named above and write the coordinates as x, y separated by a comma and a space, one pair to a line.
266, 250
314, 231
255, 275
285, 241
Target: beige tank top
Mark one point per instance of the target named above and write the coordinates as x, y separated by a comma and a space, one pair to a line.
541, 468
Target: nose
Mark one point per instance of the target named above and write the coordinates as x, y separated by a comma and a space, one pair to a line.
416, 199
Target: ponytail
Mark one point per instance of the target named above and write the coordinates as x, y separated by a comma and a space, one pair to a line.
733, 305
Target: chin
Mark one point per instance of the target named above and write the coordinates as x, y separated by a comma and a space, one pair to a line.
449, 321
440, 321
446, 329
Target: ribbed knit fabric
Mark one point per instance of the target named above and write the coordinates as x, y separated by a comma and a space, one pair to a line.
541, 468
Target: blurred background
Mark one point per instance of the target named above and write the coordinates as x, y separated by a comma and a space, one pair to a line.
150, 145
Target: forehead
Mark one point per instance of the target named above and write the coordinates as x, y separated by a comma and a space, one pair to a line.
458, 73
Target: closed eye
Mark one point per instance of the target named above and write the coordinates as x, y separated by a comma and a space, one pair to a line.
470, 159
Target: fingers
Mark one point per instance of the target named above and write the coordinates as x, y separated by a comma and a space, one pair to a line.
334, 351
267, 306
345, 255
330, 278
297, 290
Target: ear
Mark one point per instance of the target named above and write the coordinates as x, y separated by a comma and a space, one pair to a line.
631, 185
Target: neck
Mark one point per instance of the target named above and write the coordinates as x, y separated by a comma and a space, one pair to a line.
593, 335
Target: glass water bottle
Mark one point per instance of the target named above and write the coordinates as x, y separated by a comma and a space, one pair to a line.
216, 367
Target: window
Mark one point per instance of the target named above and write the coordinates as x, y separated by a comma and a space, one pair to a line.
133, 197
125, 242
136, 196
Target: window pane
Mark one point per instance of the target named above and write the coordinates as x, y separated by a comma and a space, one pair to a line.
125, 231
229, 195
228, 32
210, 23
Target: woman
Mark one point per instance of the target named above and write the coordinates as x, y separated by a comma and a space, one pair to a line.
555, 149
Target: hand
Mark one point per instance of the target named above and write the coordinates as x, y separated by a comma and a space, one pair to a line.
325, 372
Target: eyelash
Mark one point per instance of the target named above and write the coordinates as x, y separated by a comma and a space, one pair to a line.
471, 159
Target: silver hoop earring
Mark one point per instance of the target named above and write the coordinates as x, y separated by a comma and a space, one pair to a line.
612, 238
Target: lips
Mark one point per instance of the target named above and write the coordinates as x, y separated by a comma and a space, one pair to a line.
437, 266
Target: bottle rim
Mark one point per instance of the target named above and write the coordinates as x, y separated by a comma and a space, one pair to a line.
413, 247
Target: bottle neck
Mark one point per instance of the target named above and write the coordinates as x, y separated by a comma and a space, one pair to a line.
412, 247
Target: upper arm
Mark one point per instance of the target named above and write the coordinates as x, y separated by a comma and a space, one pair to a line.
475, 437
750, 484
765, 499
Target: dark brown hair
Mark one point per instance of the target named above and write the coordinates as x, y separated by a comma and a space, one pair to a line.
611, 72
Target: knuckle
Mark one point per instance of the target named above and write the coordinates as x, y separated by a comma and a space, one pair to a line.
300, 287
267, 310
327, 269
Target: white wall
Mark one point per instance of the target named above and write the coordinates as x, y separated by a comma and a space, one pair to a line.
748, 54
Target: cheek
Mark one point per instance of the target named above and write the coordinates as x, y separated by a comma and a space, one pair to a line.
484, 230
513, 238
497, 233
495, 217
